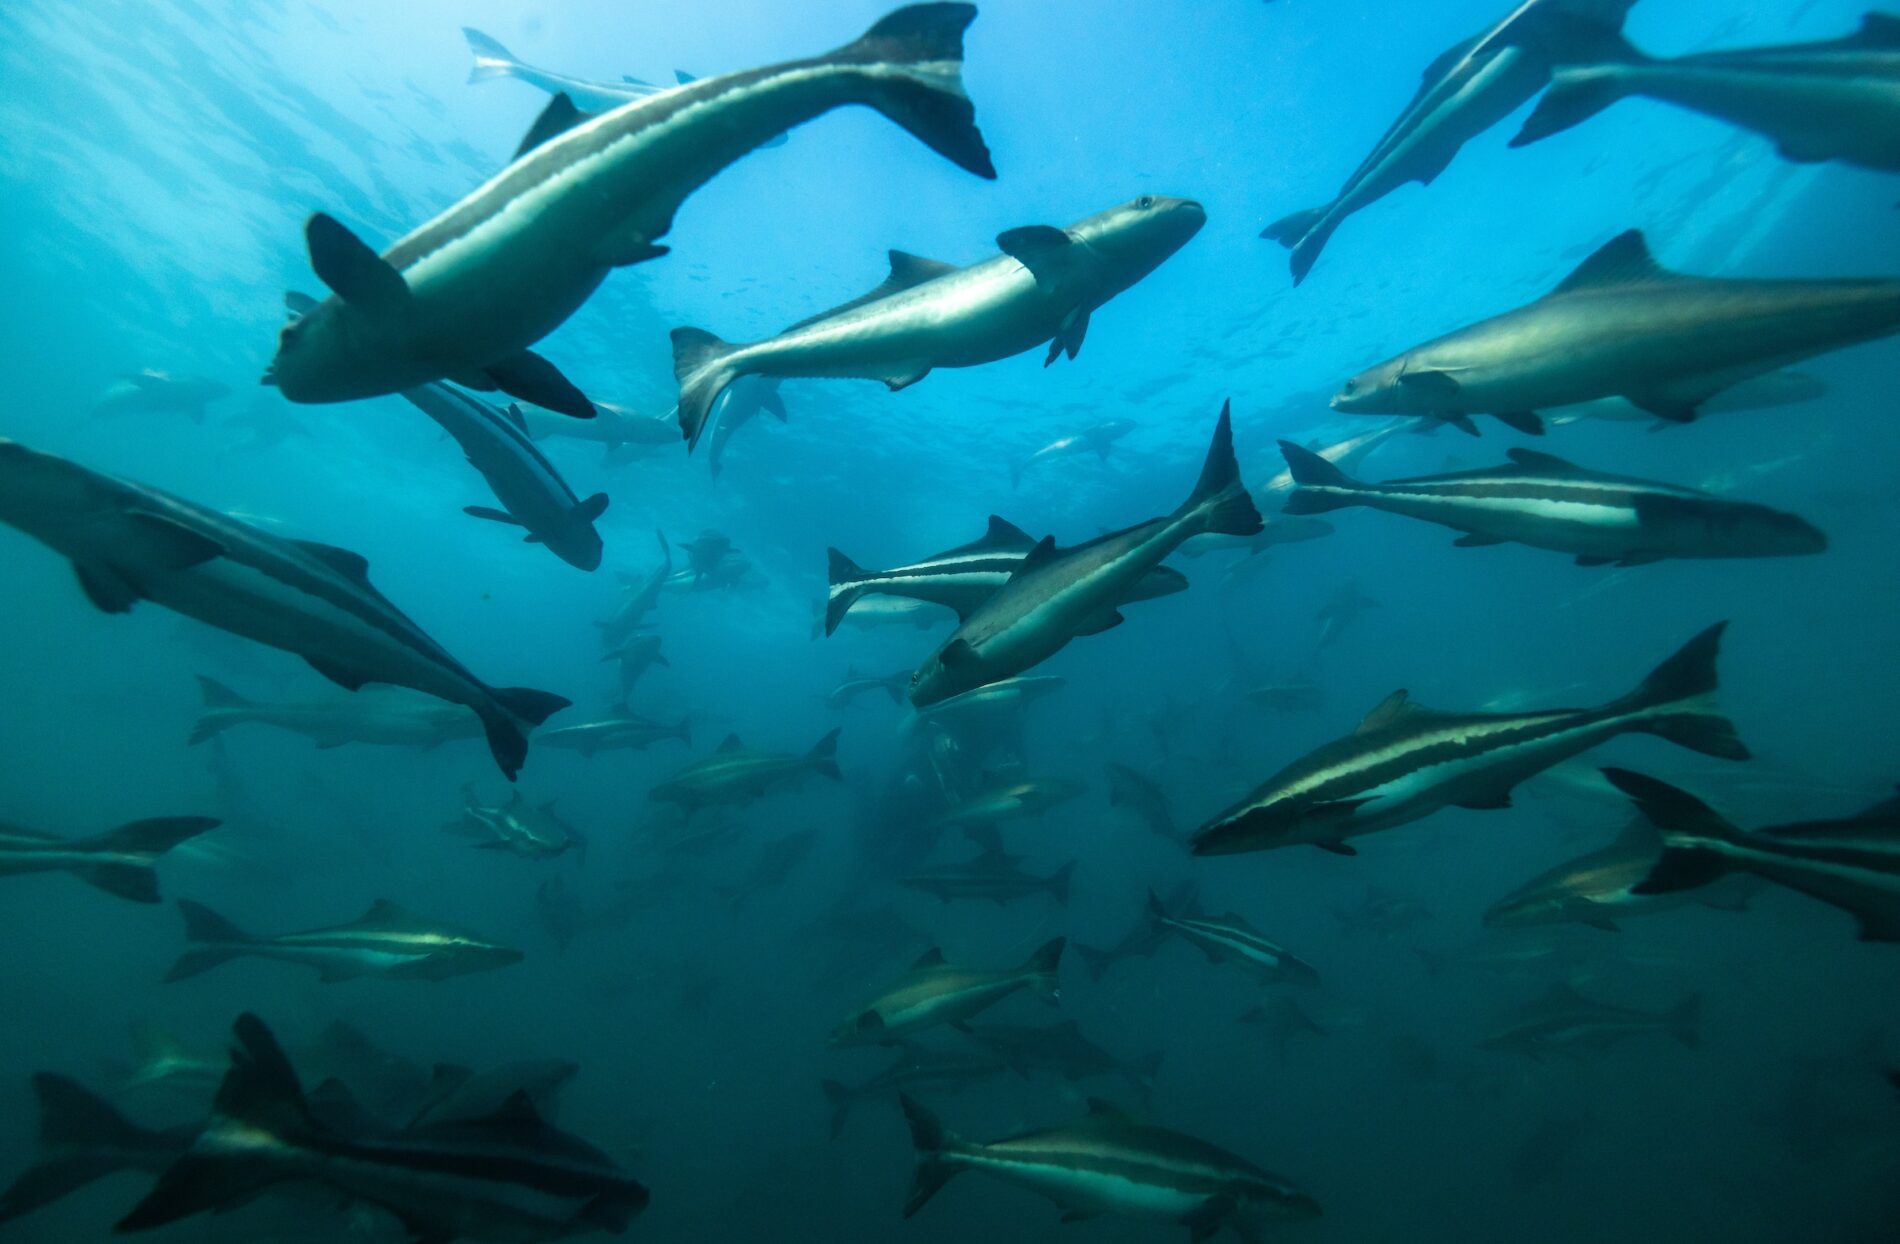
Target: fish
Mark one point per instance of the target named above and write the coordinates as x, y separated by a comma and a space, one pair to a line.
621, 431
1230, 938
935, 992
961, 578
621, 730
1276, 530
1382, 912
711, 562
1836, 99
129, 542
1469, 88
119, 861
1009, 800
164, 1061
1340, 612
510, 1176
1284, 1019
1548, 502
1346, 453
460, 1093
877, 613
854, 684
84, 1138
532, 493
734, 774
916, 1067
1098, 439
1143, 938
1598, 889
927, 314
989, 879
1055, 596
1141, 795
1852, 863
377, 715
385, 941
1622, 325
532, 831
1564, 1021
1109, 1163
639, 597
150, 392
1406, 761
1288, 697
465, 295
1063, 1050
1007, 695
637, 655
745, 400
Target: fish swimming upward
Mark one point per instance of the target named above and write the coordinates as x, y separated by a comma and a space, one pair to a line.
929, 314
464, 296
1407, 761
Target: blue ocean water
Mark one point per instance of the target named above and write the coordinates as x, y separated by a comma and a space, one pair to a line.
160, 162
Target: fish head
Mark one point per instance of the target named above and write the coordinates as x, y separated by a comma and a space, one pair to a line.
46, 495
580, 546
1525, 909
951, 670
1137, 236
1384, 389
864, 1028
320, 355
1264, 825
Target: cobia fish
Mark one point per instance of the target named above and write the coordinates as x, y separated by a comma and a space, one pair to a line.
384, 941
464, 296
118, 861
929, 314
389, 716
129, 542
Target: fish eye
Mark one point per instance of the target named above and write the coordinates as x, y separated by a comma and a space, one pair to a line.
1145, 202
1349, 386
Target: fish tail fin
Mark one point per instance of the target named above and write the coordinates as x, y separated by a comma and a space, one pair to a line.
143, 842
1288, 230
840, 1099
1677, 700
515, 711
260, 1093
1304, 234
221, 704
934, 1144
1059, 881
221, 940
1156, 911
846, 580
1044, 966
920, 50
94, 1139
1095, 962
1684, 1021
1310, 474
492, 60
823, 755
1578, 92
1219, 502
1693, 834
702, 366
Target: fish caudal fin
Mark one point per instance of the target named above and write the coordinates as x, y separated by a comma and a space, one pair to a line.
1043, 968
1693, 834
260, 1093
1096, 962
520, 710
222, 941
221, 705
701, 366
933, 1145
1311, 474
127, 852
846, 580
920, 50
72, 1117
1576, 94
1679, 696
823, 756
1305, 234
492, 60
1220, 502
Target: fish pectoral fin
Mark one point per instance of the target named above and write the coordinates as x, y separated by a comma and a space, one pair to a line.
1209, 1218
1674, 409
342, 676
1068, 339
1462, 422
107, 589
1477, 540
492, 514
354, 272
621, 251
904, 379
1337, 847
1485, 801
1048, 252
171, 544
1525, 421
1439, 384
531, 378
1107, 620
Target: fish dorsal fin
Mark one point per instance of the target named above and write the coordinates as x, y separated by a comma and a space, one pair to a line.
516, 1112
1532, 460
298, 304
1886, 809
1639, 837
352, 566
1623, 260
932, 958
1389, 712
384, 914
1043, 249
630, 80
1106, 1111
514, 416
683, 78
556, 119
1003, 534
730, 743
1041, 555
1877, 30
907, 272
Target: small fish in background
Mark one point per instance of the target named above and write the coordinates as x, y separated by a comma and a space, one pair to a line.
935, 992
639, 597
1406, 761
118, 861
468, 292
1097, 439
636, 656
1340, 613
855, 684
509, 1175
384, 941
311, 599
1008, 800
1142, 795
991, 877
737, 775
622, 729
1599, 889
1549, 503
1109, 1163
742, 402
164, 1064
1284, 1019
1566, 1022
1852, 863
916, 1067
1382, 912
379, 716
1467, 89
926, 314
622, 433
1828, 100
531, 831
1143, 938
711, 562
1298, 696
1622, 325
151, 392
1229, 938
1061, 1049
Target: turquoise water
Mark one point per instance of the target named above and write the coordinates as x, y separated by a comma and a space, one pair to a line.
160, 162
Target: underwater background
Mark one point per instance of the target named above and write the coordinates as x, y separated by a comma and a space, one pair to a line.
159, 162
